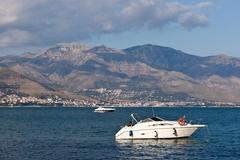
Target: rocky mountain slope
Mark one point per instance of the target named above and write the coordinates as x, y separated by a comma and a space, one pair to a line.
161, 71
13, 82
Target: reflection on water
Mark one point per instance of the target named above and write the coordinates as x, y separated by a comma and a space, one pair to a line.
164, 142
162, 148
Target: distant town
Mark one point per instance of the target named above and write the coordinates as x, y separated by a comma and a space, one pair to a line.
17, 100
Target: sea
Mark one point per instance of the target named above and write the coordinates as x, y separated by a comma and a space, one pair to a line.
70, 133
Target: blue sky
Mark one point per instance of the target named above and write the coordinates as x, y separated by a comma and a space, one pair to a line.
197, 27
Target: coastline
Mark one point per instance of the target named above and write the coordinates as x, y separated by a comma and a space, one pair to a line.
113, 106
15, 100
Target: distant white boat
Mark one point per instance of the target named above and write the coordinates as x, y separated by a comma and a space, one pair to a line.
157, 128
104, 109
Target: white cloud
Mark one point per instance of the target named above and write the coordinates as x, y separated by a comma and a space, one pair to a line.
15, 38
190, 20
203, 5
8, 12
47, 22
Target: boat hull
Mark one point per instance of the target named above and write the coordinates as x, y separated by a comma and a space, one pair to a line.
157, 133
101, 111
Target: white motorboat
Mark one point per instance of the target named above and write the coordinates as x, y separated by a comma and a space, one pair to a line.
157, 128
104, 109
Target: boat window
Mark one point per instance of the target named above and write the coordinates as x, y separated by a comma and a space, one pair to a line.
156, 119
147, 120
152, 119
162, 124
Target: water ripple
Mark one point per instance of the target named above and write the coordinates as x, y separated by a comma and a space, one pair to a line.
78, 133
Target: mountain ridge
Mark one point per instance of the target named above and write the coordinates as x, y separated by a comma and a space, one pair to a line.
73, 68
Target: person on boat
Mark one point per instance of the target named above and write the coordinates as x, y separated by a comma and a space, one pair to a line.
129, 124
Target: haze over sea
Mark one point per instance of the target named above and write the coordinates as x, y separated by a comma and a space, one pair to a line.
79, 133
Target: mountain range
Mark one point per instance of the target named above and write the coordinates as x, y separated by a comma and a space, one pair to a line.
142, 72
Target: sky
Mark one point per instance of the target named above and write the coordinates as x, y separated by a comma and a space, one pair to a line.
198, 27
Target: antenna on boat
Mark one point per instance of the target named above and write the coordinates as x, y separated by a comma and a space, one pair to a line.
153, 112
133, 118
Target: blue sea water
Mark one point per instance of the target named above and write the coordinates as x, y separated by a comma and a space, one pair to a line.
79, 133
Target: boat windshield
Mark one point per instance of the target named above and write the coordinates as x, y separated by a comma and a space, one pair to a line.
152, 119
